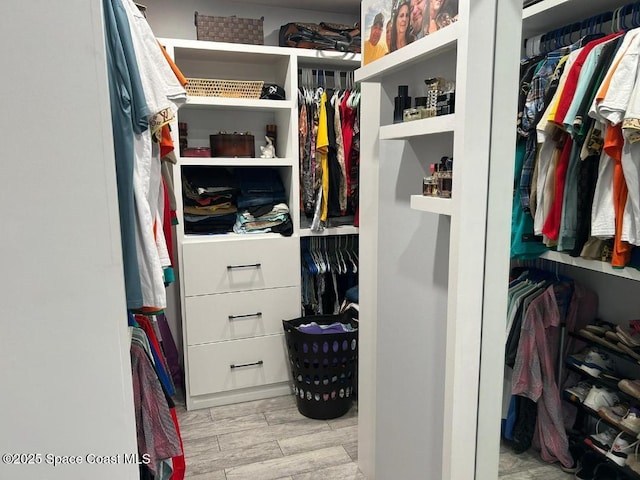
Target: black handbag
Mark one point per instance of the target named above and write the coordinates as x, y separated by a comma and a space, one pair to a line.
322, 36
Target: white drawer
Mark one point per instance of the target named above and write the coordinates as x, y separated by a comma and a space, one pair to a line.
256, 361
230, 316
245, 264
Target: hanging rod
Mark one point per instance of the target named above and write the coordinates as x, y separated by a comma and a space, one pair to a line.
593, 25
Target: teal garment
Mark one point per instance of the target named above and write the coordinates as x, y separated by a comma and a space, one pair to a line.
524, 245
129, 115
569, 217
586, 73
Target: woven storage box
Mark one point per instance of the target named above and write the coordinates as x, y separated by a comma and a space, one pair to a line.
205, 87
323, 366
230, 29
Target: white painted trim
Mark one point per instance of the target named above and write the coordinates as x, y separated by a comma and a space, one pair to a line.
368, 279
500, 187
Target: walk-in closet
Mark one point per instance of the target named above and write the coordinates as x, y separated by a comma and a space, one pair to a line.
459, 204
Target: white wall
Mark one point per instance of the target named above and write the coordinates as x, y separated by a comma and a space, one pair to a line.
175, 19
64, 348
412, 314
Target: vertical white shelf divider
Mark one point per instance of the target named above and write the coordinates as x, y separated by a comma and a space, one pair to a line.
473, 306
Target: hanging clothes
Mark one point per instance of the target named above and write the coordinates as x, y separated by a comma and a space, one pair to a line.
329, 270
560, 304
328, 160
578, 116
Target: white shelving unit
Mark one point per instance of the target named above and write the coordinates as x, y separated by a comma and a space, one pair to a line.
538, 19
239, 103
226, 277
234, 162
431, 46
418, 128
429, 271
442, 206
593, 265
327, 232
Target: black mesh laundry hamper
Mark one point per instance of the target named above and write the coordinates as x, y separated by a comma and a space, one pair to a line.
323, 366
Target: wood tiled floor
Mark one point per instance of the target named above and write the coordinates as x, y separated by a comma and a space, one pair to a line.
270, 440
528, 466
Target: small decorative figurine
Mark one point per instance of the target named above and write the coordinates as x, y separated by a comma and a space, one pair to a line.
267, 151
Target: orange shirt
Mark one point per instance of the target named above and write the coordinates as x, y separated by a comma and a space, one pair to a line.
174, 67
613, 143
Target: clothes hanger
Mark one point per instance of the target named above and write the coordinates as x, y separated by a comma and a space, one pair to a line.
343, 265
318, 256
326, 267
636, 15
338, 256
327, 255
622, 16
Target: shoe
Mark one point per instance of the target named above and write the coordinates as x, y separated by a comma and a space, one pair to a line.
620, 449
578, 392
631, 421
577, 451
588, 464
633, 460
599, 340
613, 336
577, 359
606, 472
614, 414
602, 441
629, 351
599, 397
597, 362
630, 336
630, 387
598, 329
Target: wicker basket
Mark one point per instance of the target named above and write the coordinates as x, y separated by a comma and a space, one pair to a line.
204, 87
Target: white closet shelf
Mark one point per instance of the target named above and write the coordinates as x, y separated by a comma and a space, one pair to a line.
228, 237
547, 15
432, 45
441, 206
325, 58
200, 50
343, 230
595, 265
416, 128
248, 104
236, 162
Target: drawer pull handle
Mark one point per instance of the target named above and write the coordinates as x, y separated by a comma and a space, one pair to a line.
252, 265
234, 317
260, 362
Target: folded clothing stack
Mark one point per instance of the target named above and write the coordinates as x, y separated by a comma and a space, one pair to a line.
261, 203
209, 200
253, 220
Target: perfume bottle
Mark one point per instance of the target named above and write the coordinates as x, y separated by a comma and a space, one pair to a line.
401, 103
445, 177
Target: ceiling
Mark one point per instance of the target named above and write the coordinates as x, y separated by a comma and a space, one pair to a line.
335, 6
